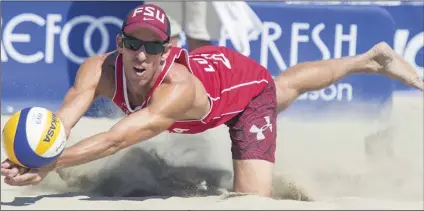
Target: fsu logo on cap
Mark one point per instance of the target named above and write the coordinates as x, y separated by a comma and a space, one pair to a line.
149, 13
148, 16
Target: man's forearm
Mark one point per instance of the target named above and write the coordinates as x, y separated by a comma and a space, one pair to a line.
90, 149
103, 145
73, 107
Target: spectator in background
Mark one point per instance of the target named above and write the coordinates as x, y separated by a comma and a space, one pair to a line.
198, 20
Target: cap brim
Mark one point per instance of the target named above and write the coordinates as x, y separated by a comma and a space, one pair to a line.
134, 26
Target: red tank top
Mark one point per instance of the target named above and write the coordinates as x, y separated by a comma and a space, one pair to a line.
231, 80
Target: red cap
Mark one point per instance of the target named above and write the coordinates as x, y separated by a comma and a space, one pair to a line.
148, 16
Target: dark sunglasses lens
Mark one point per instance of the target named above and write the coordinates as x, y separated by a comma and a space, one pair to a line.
132, 44
153, 48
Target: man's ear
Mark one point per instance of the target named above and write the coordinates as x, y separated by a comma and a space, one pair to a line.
119, 43
166, 52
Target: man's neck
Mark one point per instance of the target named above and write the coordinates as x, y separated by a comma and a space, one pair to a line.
137, 94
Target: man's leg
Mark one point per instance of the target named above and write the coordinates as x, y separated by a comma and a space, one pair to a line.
315, 75
253, 176
253, 135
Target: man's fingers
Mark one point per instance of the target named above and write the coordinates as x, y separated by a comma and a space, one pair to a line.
12, 172
12, 182
25, 179
6, 164
23, 170
31, 177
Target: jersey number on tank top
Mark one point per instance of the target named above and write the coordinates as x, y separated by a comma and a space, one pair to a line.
203, 60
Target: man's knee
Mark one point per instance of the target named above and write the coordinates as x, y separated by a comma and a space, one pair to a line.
286, 93
253, 177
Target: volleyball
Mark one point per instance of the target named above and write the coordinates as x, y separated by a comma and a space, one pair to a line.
33, 137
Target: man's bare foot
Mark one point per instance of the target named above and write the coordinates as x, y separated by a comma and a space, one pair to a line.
395, 66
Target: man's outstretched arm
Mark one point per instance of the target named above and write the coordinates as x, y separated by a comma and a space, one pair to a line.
169, 103
315, 75
166, 108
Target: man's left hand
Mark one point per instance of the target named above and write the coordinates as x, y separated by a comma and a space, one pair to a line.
20, 176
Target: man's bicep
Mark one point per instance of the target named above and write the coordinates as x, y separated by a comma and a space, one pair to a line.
173, 101
168, 105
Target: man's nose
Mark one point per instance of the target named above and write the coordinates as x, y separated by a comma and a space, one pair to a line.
141, 54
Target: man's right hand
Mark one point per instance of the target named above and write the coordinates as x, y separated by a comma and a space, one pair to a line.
10, 170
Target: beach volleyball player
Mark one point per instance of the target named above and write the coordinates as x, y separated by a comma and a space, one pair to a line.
163, 88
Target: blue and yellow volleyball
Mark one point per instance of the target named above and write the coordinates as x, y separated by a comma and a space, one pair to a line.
33, 137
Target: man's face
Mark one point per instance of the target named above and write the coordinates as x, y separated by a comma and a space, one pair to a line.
142, 55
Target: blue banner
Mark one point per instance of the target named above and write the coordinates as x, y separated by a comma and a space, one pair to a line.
304, 33
44, 43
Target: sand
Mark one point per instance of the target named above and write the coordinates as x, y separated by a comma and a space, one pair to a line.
347, 162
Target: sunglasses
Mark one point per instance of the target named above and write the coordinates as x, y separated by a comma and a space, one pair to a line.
134, 44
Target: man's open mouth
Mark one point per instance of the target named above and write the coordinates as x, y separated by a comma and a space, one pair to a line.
139, 70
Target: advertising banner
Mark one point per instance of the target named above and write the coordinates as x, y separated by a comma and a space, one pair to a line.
43, 44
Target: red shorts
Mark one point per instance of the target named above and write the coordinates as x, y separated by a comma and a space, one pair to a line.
253, 132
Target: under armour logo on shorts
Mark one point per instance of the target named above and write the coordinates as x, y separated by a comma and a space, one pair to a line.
260, 131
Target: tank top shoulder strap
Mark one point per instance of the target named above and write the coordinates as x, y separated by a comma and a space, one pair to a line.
183, 58
119, 86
